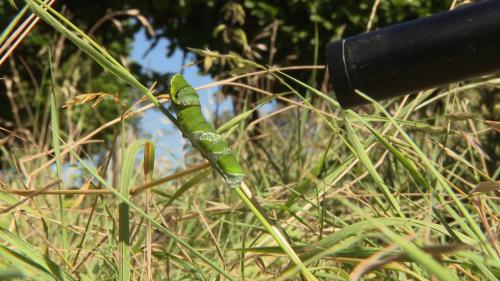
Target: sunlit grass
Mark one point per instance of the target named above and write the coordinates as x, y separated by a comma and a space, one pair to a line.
382, 192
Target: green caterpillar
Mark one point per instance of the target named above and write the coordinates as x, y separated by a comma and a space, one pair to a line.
186, 104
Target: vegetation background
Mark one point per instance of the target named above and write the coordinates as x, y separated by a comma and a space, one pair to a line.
403, 190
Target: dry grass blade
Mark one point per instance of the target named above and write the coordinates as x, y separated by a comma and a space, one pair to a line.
212, 236
29, 196
85, 188
148, 169
388, 255
154, 183
83, 140
485, 187
133, 192
372, 262
260, 72
96, 98
21, 32
495, 125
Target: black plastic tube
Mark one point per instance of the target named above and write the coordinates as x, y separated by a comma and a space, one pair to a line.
405, 58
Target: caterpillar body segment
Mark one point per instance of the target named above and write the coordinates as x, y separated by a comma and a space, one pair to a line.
186, 104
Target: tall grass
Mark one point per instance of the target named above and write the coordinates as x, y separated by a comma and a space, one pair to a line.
383, 192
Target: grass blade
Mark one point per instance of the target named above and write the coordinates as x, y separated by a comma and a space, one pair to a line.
54, 122
148, 167
29, 256
126, 180
365, 160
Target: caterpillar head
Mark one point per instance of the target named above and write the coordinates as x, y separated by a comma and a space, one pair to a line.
176, 83
181, 93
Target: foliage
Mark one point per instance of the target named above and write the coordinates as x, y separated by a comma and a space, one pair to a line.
274, 32
26, 72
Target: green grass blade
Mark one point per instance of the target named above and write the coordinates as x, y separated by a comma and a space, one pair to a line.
291, 271
407, 163
30, 268
54, 122
126, 180
249, 200
365, 160
314, 173
333, 102
12, 24
30, 254
188, 185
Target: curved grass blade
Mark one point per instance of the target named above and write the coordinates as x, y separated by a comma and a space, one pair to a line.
54, 122
28, 255
30, 268
11, 26
363, 157
126, 180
